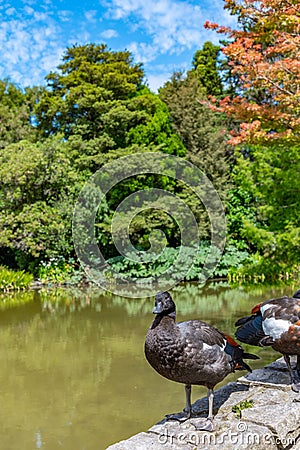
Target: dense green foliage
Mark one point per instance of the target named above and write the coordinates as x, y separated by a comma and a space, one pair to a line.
14, 280
231, 259
263, 57
14, 114
202, 131
96, 108
38, 187
207, 69
270, 173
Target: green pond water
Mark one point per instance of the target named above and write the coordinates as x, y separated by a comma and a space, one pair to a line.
73, 374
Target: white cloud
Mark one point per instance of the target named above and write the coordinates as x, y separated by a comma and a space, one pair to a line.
39, 16
64, 15
34, 35
108, 34
173, 26
91, 15
158, 80
28, 10
28, 42
143, 51
80, 37
10, 11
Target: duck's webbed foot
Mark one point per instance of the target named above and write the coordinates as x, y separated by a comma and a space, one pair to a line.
203, 424
187, 412
296, 382
198, 423
296, 387
180, 417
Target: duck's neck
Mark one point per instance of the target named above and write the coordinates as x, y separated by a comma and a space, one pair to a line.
160, 317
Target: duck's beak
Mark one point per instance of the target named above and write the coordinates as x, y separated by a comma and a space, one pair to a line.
158, 308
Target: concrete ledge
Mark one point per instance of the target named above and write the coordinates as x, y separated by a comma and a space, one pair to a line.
272, 422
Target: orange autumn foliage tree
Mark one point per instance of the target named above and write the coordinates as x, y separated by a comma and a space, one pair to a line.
264, 56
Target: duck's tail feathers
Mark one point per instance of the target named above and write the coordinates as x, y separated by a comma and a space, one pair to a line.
238, 355
250, 356
243, 320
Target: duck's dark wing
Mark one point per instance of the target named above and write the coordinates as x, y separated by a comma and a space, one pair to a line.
297, 294
211, 336
250, 330
197, 331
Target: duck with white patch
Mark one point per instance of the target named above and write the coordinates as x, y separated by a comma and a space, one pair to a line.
192, 353
276, 323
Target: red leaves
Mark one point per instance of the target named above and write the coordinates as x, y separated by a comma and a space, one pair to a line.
265, 58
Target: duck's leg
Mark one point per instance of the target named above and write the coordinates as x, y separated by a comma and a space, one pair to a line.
298, 365
206, 424
295, 380
199, 424
187, 409
188, 404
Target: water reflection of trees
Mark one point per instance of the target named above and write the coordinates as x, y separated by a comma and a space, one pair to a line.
15, 299
190, 298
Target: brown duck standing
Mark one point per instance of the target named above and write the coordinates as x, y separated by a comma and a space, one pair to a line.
276, 323
191, 352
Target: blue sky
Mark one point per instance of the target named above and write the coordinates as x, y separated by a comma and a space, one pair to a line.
162, 34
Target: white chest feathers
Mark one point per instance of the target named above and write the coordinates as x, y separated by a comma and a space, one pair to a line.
274, 327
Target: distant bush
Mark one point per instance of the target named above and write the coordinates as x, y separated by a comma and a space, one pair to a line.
14, 280
58, 270
258, 269
205, 255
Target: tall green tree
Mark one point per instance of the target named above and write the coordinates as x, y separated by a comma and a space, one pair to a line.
270, 174
15, 114
38, 187
203, 135
86, 86
97, 99
200, 129
206, 67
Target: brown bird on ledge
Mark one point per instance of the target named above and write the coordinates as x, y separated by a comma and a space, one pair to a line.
275, 323
191, 352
